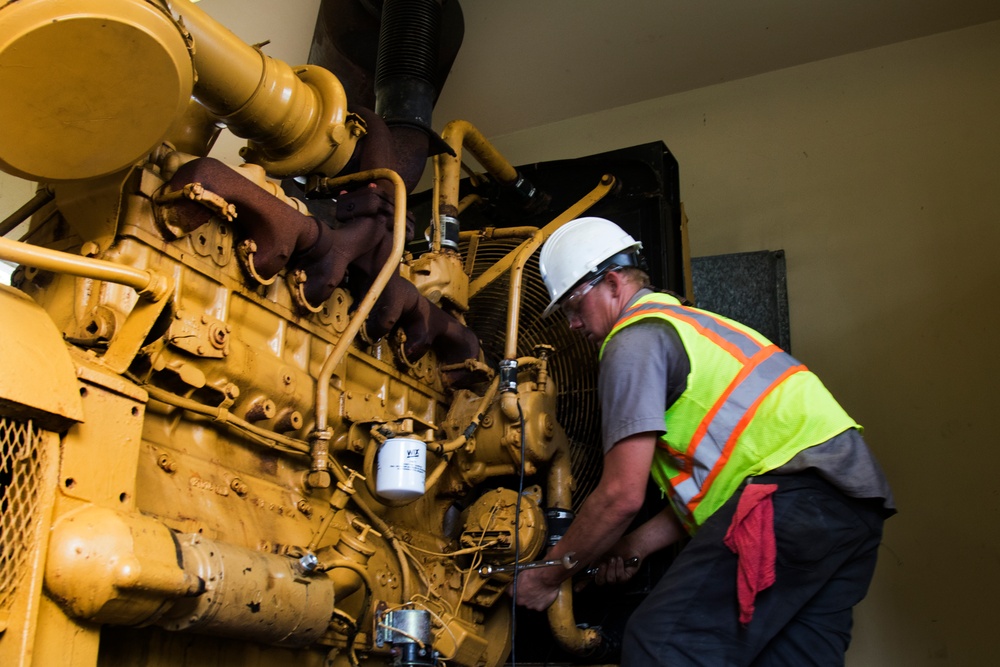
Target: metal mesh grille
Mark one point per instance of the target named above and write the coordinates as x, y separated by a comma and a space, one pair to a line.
21, 460
573, 366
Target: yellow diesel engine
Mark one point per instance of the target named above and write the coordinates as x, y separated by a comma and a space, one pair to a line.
242, 421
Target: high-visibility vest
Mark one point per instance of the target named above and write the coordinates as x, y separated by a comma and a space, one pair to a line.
748, 408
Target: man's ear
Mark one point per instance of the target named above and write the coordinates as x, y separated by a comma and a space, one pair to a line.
615, 281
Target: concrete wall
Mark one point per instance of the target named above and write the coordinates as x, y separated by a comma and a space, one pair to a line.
877, 174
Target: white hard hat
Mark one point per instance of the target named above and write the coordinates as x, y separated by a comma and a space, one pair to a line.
580, 248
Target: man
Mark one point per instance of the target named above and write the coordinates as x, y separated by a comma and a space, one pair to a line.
769, 476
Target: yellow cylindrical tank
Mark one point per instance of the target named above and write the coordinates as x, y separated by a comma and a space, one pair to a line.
89, 91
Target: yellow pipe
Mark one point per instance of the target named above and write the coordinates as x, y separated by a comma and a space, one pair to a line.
368, 302
461, 134
563, 623
296, 119
560, 614
514, 298
494, 233
263, 436
597, 194
147, 283
41, 198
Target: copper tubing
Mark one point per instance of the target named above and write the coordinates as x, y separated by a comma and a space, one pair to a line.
368, 302
148, 284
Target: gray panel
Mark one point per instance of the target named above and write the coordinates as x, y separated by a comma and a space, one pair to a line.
748, 287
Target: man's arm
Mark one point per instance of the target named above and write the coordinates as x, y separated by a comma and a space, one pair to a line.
658, 533
602, 520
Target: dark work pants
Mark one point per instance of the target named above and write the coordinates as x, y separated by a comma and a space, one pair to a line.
826, 550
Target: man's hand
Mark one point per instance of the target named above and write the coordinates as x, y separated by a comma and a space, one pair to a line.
616, 569
622, 561
534, 592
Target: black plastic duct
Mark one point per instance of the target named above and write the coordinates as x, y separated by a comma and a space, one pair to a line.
346, 42
407, 58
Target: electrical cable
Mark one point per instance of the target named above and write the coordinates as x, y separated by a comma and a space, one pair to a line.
517, 544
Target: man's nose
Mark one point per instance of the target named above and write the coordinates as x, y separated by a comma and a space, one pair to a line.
574, 321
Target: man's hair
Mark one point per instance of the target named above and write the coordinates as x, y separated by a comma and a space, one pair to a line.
636, 276
641, 279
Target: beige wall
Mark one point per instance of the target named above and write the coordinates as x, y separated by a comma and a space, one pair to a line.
878, 174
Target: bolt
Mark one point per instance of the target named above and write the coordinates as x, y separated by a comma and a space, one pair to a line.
239, 486
309, 563
318, 479
166, 463
305, 507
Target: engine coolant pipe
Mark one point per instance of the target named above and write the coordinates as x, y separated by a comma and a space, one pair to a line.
459, 134
148, 284
320, 438
581, 641
561, 618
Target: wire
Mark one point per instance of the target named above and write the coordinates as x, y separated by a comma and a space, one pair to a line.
352, 633
451, 554
477, 557
517, 545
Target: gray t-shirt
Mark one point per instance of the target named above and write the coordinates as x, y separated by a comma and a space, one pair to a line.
644, 369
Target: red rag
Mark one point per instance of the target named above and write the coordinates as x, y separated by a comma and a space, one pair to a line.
751, 538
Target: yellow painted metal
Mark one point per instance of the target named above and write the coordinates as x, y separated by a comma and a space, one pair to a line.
296, 119
100, 87
440, 276
216, 441
461, 134
110, 566
574, 211
38, 379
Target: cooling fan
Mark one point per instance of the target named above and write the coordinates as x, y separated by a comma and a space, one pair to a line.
573, 365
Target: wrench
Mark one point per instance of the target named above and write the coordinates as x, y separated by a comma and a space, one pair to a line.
566, 561
629, 562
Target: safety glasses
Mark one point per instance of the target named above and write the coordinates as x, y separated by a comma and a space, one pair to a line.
571, 305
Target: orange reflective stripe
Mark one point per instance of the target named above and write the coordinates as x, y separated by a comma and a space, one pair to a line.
738, 431
678, 312
747, 369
